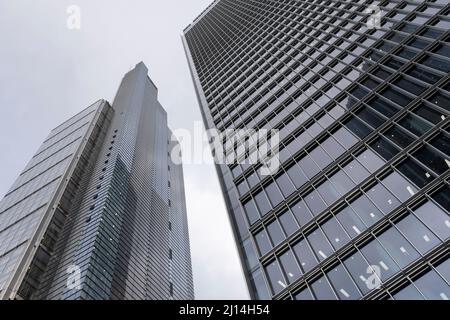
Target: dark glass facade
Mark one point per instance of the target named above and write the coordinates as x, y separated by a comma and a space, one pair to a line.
99, 212
360, 207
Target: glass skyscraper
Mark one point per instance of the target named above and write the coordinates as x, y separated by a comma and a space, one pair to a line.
99, 212
360, 93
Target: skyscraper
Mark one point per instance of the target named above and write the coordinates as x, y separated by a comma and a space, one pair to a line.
99, 212
360, 93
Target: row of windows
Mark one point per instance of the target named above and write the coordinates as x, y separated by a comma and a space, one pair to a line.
396, 96
387, 145
274, 23
412, 236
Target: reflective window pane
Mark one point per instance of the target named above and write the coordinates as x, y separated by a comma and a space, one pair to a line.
263, 203
315, 202
435, 219
351, 222
343, 284
275, 233
399, 186
382, 198
290, 267
320, 244
252, 212
275, 277
433, 287
305, 256
408, 293
335, 233
262, 240
257, 281
377, 256
301, 212
356, 171
274, 194
358, 269
305, 294
366, 210
322, 290
397, 247
370, 160
288, 223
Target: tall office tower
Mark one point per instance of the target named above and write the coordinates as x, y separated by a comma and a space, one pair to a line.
360, 94
99, 212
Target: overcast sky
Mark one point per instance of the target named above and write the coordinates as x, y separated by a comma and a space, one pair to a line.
48, 73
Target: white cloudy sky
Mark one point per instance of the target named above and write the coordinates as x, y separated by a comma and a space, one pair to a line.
49, 73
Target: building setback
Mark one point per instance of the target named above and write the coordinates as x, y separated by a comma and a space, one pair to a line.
360, 94
99, 212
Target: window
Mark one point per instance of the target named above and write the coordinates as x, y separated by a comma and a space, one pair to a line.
251, 259
416, 232
328, 192
384, 148
399, 137
320, 244
415, 173
343, 284
252, 212
366, 210
358, 269
320, 157
435, 219
285, 184
442, 143
315, 202
333, 148
322, 290
342, 182
443, 197
430, 114
383, 107
301, 212
288, 223
415, 125
397, 97
444, 270
424, 75
376, 255
275, 233
398, 248
275, 277
274, 194
351, 222
399, 186
290, 267
262, 203
305, 256
344, 137
358, 128
305, 294
309, 166
408, 293
370, 160
258, 283
432, 159
382, 198
433, 287
297, 176
335, 233
356, 171
262, 242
